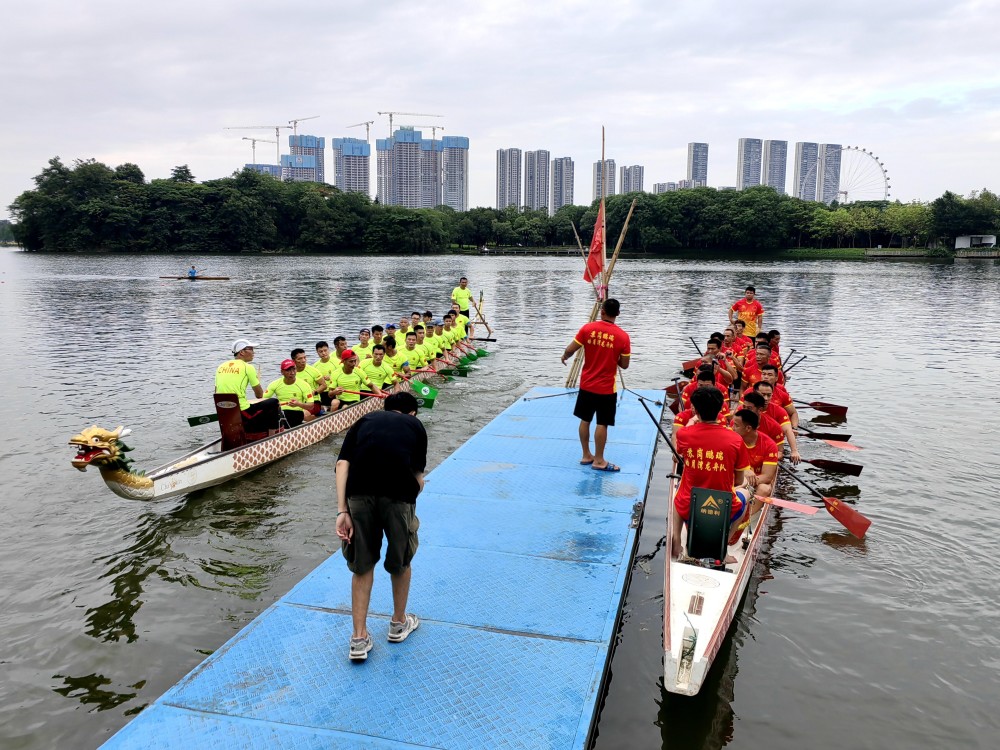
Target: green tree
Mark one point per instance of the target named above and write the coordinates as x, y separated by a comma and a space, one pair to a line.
181, 174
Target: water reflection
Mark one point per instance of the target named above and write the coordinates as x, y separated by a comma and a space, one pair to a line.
91, 690
156, 548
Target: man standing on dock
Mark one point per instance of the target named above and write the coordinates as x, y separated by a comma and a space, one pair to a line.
606, 347
380, 472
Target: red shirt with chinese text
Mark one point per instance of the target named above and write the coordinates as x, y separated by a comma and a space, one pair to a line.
748, 312
602, 344
712, 456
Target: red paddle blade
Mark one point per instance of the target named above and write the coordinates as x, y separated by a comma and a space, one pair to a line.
777, 501
842, 444
841, 467
851, 520
673, 390
691, 364
835, 409
675, 406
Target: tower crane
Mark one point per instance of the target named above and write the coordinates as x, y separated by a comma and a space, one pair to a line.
368, 128
408, 114
277, 133
253, 146
295, 123
434, 129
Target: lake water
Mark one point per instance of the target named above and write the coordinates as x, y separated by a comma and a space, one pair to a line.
893, 641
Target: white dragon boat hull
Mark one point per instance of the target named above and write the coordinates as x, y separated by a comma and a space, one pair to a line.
209, 465
700, 605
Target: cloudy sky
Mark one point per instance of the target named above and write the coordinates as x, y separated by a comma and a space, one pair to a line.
916, 82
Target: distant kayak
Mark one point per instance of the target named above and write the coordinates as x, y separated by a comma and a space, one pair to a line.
197, 278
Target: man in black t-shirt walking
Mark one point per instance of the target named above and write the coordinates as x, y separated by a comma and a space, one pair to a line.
380, 472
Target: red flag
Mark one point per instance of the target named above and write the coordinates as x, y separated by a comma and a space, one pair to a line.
595, 261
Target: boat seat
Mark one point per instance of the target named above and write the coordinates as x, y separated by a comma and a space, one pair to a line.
227, 406
708, 524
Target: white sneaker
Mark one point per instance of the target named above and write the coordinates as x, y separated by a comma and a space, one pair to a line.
360, 648
398, 631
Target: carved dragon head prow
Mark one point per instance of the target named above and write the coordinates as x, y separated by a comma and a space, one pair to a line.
100, 447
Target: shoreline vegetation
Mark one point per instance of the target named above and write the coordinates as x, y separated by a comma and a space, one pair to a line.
91, 207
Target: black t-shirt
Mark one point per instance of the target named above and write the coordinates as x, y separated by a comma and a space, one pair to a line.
385, 449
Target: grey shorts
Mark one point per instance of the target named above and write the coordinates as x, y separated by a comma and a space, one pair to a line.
372, 517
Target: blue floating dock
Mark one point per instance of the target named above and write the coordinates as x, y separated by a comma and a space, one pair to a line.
523, 564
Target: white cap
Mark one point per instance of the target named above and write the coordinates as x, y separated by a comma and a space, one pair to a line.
241, 344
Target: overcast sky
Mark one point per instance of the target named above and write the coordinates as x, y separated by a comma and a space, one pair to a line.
916, 82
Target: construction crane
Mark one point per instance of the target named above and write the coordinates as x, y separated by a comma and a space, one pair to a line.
295, 123
434, 129
368, 128
408, 114
253, 146
277, 133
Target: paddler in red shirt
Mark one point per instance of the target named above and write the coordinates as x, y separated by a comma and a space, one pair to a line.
606, 347
705, 379
715, 458
752, 366
770, 374
744, 341
774, 424
749, 310
764, 455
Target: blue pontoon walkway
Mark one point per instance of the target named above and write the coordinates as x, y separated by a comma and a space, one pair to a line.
524, 560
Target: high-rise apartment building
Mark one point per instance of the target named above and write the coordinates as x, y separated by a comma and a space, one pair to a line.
664, 187
609, 170
351, 165
308, 169
828, 172
456, 172
508, 177
697, 166
431, 158
536, 179
748, 160
422, 173
630, 179
804, 174
775, 164
562, 184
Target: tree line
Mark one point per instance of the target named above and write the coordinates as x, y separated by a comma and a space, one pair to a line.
90, 206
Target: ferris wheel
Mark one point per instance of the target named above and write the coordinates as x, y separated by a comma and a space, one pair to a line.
862, 177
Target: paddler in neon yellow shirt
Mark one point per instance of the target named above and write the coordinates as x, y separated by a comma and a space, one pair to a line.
378, 370
461, 322
313, 378
293, 394
430, 354
462, 296
352, 381
378, 335
396, 357
234, 376
415, 356
328, 367
363, 349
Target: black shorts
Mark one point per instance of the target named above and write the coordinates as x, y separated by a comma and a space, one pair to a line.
261, 416
294, 417
604, 405
372, 517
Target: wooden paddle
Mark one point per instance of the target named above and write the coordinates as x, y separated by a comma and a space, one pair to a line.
841, 467
806, 432
809, 510
482, 339
691, 364
823, 406
842, 444
203, 419
786, 370
851, 519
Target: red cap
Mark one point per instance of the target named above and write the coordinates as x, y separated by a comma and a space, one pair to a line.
346, 355
287, 363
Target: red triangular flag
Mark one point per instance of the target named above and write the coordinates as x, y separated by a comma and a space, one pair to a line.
595, 261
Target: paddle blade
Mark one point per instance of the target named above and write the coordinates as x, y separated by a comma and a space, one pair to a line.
203, 419
809, 510
673, 390
843, 445
823, 406
851, 520
482, 353
841, 467
425, 395
691, 364
822, 435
